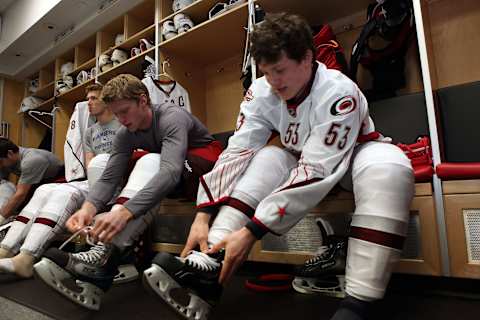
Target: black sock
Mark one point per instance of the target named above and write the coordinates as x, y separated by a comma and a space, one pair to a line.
352, 309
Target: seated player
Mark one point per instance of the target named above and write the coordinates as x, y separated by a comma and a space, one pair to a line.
327, 134
52, 204
187, 151
32, 166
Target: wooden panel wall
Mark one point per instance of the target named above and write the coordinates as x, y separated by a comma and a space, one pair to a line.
12, 97
454, 27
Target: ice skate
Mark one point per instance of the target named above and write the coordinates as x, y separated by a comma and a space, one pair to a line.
93, 272
325, 272
126, 273
196, 276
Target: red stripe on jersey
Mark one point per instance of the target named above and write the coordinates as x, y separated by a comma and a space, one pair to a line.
22, 219
378, 237
261, 225
45, 221
301, 184
368, 137
212, 203
121, 200
207, 191
241, 206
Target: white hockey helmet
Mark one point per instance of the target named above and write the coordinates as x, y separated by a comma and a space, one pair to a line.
182, 23
119, 38
68, 81
82, 76
118, 56
217, 9
135, 51
145, 44
66, 68
104, 62
33, 85
29, 103
180, 4
93, 72
168, 30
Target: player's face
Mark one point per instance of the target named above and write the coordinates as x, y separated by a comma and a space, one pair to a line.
10, 160
95, 105
287, 76
132, 114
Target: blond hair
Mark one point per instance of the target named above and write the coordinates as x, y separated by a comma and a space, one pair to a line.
124, 86
93, 87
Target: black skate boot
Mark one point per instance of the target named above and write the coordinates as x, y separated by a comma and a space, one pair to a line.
324, 273
92, 270
197, 275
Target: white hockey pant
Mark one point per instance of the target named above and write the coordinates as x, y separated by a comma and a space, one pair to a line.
268, 169
46, 213
383, 186
44, 217
144, 170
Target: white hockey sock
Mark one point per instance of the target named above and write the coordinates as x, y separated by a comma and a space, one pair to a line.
6, 266
227, 221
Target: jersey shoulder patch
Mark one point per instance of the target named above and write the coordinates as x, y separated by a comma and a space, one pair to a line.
344, 105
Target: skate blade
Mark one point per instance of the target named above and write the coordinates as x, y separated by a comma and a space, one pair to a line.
126, 273
310, 286
49, 272
159, 282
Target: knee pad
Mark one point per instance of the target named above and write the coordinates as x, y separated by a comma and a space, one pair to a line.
145, 168
274, 165
96, 167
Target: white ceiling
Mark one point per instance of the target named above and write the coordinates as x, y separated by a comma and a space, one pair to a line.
37, 47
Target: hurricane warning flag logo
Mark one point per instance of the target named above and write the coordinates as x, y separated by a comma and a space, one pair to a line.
343, 106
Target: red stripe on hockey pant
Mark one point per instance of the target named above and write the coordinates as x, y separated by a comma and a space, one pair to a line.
241, 206
22, 219
121, 200
368, 137
46, 222
270, 283
378, 237
209, 152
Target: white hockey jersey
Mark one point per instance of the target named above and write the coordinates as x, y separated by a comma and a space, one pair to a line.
322, 131
74, 156
172, 92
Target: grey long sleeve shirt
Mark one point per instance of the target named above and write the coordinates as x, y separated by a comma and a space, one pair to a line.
173, 131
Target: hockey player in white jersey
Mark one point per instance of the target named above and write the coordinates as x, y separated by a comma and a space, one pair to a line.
52, 204
170, 92
327, 135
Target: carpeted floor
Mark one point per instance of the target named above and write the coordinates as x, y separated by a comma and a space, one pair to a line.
409, 298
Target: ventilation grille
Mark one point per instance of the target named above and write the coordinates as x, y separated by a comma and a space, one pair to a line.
412, 248
471, 219
305, 236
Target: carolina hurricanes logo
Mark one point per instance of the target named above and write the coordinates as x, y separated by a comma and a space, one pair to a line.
248, 95
343, 106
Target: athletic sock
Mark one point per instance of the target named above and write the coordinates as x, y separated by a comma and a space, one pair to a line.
352, 309
4, 253
21, 265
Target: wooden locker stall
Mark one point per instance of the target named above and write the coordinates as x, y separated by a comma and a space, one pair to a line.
452, 42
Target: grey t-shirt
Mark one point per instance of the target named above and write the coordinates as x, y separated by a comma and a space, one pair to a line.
34, 166
172, 133
99, 137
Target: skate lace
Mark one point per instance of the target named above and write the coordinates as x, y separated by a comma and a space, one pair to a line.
322, 253
76, 234
202, 261
92, 256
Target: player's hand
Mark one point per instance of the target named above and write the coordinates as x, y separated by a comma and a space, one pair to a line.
108, 224
237, 247
198, 235
81, 218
